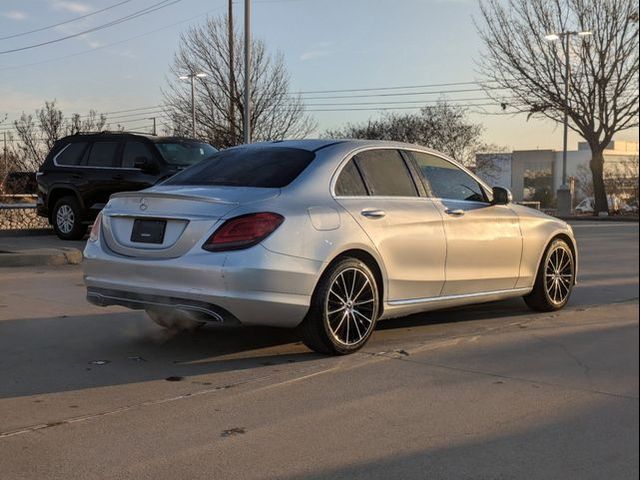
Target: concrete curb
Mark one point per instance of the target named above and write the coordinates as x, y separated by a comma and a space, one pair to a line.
39, 257
600, 219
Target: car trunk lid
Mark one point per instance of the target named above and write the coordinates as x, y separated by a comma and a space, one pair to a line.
166, 222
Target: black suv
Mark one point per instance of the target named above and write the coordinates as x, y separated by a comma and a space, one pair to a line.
83, 170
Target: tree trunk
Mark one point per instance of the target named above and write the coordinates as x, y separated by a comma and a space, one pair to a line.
597, 172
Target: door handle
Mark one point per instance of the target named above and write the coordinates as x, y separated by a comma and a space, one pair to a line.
118, 176
76, 176
458, 212
373, 213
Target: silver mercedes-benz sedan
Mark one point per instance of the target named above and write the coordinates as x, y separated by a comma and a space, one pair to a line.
328, 236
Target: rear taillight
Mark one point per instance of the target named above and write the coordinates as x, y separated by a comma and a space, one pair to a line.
95, 229
243, 232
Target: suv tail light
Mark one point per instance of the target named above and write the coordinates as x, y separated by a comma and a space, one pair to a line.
243, 232
95, 229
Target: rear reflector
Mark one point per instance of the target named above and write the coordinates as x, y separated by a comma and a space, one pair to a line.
243, 231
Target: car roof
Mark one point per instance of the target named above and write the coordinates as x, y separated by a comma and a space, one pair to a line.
315, 144
109, 135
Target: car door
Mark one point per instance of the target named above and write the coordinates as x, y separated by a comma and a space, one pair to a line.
133, 178
376, 187
102, 174
484, 241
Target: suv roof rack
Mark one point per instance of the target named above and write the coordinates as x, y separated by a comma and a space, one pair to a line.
112, 132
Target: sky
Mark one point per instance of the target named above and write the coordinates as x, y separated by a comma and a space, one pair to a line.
326, 44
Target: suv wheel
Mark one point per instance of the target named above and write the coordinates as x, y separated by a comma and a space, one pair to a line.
66, 219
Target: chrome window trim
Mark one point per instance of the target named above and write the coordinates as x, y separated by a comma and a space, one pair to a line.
55, 162
343, 162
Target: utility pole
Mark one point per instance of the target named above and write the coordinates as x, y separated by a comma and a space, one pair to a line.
247, 71
6, 156
154, 125
232, 79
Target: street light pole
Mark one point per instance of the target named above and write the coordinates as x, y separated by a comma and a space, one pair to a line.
247, 71
232, 79
564, 194
193, 107
192, 76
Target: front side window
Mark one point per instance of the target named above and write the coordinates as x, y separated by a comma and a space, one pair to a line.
184, 153
385, 173
262, 167
103, 154
350, 183
71, 154
447, 180
135, 151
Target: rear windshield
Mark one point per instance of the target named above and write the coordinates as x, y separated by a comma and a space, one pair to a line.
184, 154
272, 167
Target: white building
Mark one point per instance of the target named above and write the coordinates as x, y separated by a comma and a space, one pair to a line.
537, 174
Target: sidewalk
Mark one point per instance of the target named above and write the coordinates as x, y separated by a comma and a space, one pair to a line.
35, 248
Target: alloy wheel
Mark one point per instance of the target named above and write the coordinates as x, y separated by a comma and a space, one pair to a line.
559, 275
351, 306
65, 219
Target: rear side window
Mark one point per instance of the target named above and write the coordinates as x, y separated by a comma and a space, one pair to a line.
71, 154
350, 183
386, 174
135, 151
103, 154
263, 167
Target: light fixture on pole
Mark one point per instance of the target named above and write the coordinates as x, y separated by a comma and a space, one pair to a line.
565, 202
191, 77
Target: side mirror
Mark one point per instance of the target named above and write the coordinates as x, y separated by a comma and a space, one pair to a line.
502, 196
145, 164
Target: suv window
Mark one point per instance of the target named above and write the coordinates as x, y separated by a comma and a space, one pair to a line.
184, 154
350, 183
133, 151
264, 167
386, 174
447, 180
103, 154
71, 154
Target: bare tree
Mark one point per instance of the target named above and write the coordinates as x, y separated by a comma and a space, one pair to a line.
37, 134
603, 96
443, 127
275, 114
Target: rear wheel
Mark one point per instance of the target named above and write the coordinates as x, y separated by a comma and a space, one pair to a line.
555, 279
66, 219
344, 309
174, 320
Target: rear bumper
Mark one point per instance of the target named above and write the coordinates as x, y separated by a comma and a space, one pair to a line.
253, 287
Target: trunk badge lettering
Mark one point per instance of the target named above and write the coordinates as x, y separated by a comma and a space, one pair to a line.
143, 204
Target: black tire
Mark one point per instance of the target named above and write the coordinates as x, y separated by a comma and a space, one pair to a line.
66, 219
173, 320
335, 324
546, 295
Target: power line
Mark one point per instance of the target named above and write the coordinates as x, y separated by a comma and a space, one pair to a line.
145, 11
451, 84
41, 29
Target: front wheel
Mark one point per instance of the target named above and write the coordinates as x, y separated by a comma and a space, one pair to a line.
344, 309
555, 279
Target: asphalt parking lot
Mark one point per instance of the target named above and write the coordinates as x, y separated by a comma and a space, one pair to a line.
486, 392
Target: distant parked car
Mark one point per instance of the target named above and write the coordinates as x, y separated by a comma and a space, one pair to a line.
587, 205
19, 183
83, 170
